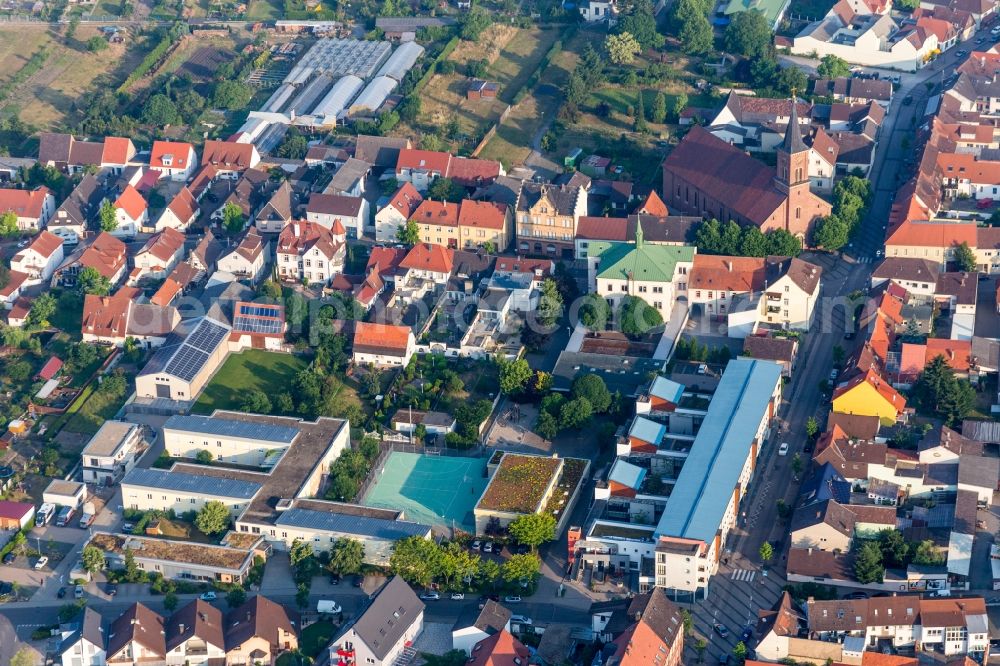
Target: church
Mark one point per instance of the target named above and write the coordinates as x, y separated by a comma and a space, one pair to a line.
706, 176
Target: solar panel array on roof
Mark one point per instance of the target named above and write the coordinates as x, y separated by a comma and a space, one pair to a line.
184, 358
256, 325
260, 310
214, 425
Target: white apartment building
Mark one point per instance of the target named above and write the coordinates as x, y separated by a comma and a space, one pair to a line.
112, 452
227, 440
160, 490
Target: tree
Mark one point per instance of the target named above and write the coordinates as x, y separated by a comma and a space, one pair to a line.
521, 568
549, 303
237, 596
255, 401
766, 551
473, 23
24, 657
965, 258
514, 375
740, 651
812, 427
688, 621
294, 146
894, 549
831, 233
232, 218
89, 281
159, 111
95, 44
796, 464
300, 553
868, 564
622, 48
232, 95
927, 554
547, 426
204, 457
939, 392
533, 529
658, 114
415, 559
488, 572
446, 189
42, 310
108, 216
8, 224
833, 67
790, 79
170, 601
753, 243
636, 317
575, 413
593, 388
93, 559
783, 243
594, 312
679, 104
346, 556
639, 22
213, 518
409, 110
695, 31
409, 233
748, 34
449, 658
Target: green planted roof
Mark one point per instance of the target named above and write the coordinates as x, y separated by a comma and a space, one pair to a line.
639, 261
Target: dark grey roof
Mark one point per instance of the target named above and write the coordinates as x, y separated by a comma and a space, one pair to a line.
89, 629
349, 173
81, 204
381, 151
978, 471
793, 135
562, 197
343, 523
492, 618
191, 483
393, 610
232, 427
986, 352
982, 431
627, 374
505, 190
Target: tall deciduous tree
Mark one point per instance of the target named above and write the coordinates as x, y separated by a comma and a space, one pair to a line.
868, 566
346, 556
622, 48
415, 559
748, 34
533, 529
213, 518
108, 216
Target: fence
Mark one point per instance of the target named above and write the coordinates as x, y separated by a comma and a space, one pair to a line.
491, 132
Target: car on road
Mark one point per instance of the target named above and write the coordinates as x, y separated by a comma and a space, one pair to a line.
335, 579
22, 244
457, 596
42, 561
848, 335
747, 633
9, 558
208, 596
61, 593
359, 581
512, 600
720, 629
833, 374
477, 544
783, 449
520, 619
908, 100
78, 592
430, 596
961, 53
723, 659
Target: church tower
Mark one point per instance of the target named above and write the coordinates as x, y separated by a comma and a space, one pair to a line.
793, 157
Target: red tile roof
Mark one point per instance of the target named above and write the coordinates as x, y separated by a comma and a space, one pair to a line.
166, 293
425, 160
405, 200
470, 171
299, 237
26, 203
957, 353
385, 260
891, 395
178, 153
131, 202
106, 254
15, 510
45, 244
50, 369
933, 234
117, 150
738, 274
165, 244
380, 338
482, 214
228, 155
183, 205
442, 213
639, 646
428, 257
14, 281
105, 316
500, 649
653, 205
603, 228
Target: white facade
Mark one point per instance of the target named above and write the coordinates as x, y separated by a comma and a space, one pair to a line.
313, 265
146, 498
37, 267
111, 452
364, 654
873, 43
169, 219
196, 651
785, 303
387, 223
127, 225
354, 222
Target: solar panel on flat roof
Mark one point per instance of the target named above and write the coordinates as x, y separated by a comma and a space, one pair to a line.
255, 325
260, 311
214, 425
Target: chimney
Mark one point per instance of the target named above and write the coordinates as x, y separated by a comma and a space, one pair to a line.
729, 266
180, 628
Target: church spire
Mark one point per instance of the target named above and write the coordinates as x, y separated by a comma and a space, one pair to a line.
793, 135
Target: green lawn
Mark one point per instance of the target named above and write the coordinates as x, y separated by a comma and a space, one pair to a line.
264, 10
69, 316
98, 408
270, 372
315, 637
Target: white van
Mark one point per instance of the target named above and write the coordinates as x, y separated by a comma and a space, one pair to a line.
328, 606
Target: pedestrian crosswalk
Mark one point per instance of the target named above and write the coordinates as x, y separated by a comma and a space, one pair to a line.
745, 575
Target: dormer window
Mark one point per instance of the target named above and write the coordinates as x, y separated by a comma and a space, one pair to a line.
168, 160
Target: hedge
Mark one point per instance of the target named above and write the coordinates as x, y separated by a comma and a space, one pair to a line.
150, 60
432, 67
536, 76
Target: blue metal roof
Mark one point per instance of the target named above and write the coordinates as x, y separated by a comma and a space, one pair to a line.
342, 523
648, 431
710, 473
210, 425
667, 389
191, 483
627, 474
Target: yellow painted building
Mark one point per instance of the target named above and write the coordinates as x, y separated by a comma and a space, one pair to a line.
869, 395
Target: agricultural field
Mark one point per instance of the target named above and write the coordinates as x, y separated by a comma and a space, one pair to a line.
46, 98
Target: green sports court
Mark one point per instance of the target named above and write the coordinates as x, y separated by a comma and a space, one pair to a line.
433, 490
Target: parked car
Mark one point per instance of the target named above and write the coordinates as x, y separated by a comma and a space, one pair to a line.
857, 595
208, 596
520, 619
61, 593
9, 558
747, 633
721, 629
78, 592
40, 564
488, 547
430, 596
127, 528
908, 100
328, 606
783, 449
359, 581
961, 53
111, 589
723, 659
833, 375
477, 544
335, 579
457, 596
